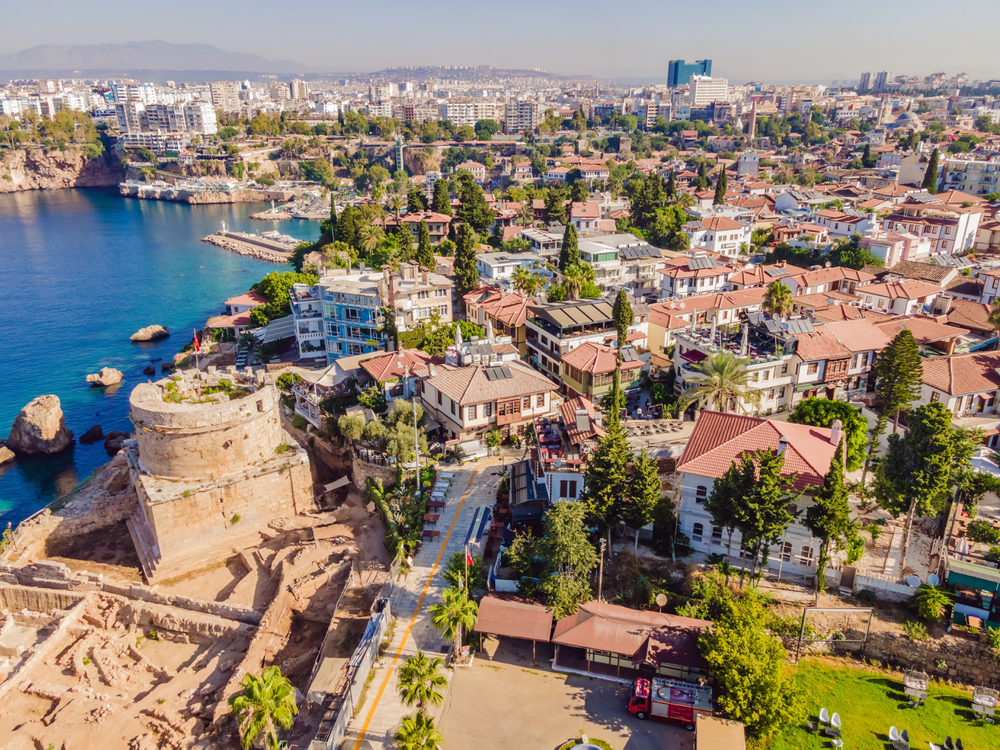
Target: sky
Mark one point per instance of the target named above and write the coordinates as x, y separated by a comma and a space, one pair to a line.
765, 40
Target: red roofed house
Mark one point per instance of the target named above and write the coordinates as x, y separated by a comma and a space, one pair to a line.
507, 313
616, 641
437, 224
968, 384
398, 371
899, 297
720, 439
719, 234
589, 370
478, 170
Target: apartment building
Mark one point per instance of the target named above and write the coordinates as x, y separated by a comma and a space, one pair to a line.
225, 96
462, 113
298, 90
505, 312
417, 295
521, 115
130, 91
834, 361
705, 90
340, 316
896, 247
589, 369
195, 118
696, 272
719, 235
972, 176
501, 266
719, 440
623, 261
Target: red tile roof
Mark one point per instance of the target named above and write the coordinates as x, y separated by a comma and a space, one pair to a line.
595, 358
859, 335
470, 385
251, 298
568, 412
901, 290
720, 439
819, 345
925, 330
514, 617
963, 373
392, 366
645, 636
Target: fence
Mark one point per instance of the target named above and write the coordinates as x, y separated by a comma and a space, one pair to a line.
340, 711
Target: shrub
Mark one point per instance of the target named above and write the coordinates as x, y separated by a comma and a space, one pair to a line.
993, 638
867, 596
993, 555
940, 664
983, 531
838, 635
875, 530
299, 422
931, 602
283, 448
236, 518
915, 631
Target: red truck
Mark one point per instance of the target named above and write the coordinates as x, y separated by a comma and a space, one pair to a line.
670, 700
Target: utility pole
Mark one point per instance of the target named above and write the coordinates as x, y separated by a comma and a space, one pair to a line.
600, 575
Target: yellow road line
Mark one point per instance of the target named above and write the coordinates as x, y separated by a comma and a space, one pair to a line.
413, 619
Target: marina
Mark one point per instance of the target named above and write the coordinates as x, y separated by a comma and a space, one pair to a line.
268, 246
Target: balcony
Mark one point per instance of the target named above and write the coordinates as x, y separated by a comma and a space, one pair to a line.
307, 335
306, 313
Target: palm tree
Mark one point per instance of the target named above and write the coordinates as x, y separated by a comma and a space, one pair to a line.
266, 703
994, 318
576, 276
684, 200
371, 235
722, 384
778, 299
396, 203
418, 732
521, 279
527, 214
419, 681
453, 613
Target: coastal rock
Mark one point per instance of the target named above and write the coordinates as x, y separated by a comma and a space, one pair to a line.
6, 454
113, 442
107, 376
148, 370
38, 169
150, 333
40, 428
92, 435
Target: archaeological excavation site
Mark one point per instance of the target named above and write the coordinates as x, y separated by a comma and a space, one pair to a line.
217, 543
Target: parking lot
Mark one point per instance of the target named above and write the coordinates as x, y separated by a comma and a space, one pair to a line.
509, 703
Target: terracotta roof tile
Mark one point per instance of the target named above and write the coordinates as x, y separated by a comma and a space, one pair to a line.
470, 385
392, 366
819, 345
963, 373
860, 335
568, 412
595, 358
901, 290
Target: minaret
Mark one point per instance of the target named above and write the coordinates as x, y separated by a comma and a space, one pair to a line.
752, 127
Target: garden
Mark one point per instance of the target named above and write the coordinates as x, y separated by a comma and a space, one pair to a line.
870, 700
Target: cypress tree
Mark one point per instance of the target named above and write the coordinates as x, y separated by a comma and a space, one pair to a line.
569, 253
720, 189
466, 270
623, 317
333, 219
442, 200
829, 517
672, 186
606, 477
425, 251
899, 374
702, 177
931, 175
345, 227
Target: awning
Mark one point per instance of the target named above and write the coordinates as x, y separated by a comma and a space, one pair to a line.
974, 576
276, 330
514, 617
342, 482
693, 355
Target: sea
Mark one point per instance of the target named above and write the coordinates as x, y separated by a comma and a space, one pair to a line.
80, 272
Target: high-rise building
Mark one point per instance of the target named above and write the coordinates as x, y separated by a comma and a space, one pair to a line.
298, 89
706, 90
521, 115
679, 72
882, 80
225, 96
866, 82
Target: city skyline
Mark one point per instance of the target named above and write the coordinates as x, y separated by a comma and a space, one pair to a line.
561, 38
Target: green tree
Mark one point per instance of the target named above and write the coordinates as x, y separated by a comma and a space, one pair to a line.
720, 189
370, 238
749, 667
576, 278
473, 209
525, 281
418, 732
562, 560
721, 383
643, 493
441, 202
622, 317
606, 475
931, 602
725, 502
899, 374
820, 412
454, 573
778, 299
701, 182
485, 129
351, 427
671, 189
264, 704
569, 253
421, 682
425, 251
466, 266
416, 200
931, 175
455, 612
829, 517
915, 475
276, 289
555, 205
346, 226
765, 513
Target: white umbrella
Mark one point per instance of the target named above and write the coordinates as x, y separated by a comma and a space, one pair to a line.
745, 344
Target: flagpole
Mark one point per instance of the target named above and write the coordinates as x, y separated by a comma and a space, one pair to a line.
197, 348
466, 571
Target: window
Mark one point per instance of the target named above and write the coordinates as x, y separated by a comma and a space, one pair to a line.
935, 396
716, 535
440, 292
423, 295
540, 399
487, 409
567, 488
473, 411
439, 398
527, 403
807, 555
786, 551
452, 407
700, 493
812, 368
793, 511
352, 313
784, 369
697, 531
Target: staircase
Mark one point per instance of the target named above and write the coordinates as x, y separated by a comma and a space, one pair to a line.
149, 553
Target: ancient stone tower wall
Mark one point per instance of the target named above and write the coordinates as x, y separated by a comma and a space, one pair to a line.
204, 440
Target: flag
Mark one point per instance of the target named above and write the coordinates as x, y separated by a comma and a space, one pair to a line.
197, 346
468, 557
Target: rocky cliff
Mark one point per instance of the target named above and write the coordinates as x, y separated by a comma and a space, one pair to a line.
34, 169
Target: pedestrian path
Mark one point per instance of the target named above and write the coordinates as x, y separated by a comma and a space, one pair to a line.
380, 716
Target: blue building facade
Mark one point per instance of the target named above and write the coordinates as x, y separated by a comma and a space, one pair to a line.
679, 72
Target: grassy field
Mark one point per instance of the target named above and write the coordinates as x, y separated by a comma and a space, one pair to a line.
869, 701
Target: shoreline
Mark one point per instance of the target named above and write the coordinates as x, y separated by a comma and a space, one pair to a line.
249, 248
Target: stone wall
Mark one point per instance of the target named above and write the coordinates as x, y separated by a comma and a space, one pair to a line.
361, 470
204, 440
966, 659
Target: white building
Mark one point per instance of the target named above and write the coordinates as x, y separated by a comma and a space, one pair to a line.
719, 235
501, 266
521, 115
225, 96
706, 90
463, 113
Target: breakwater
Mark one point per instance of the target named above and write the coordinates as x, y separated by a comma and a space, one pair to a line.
253, 246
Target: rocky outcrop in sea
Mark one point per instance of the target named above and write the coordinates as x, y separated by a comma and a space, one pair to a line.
150, 333
107, 376
40, 428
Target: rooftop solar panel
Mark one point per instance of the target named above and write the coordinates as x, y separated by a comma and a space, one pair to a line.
700, 263
777, 272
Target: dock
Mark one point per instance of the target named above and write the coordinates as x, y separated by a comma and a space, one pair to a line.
271, 246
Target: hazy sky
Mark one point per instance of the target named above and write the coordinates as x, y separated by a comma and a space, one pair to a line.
768, 40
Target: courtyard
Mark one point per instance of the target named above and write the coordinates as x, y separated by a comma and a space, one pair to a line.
509, 702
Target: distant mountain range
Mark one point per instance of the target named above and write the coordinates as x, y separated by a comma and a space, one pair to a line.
146, 56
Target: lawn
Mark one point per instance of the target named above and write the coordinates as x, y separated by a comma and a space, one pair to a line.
869, 701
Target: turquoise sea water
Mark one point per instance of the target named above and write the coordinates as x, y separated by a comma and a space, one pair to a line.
80, 272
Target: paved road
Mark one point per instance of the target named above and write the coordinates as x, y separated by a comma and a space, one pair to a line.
382, 711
